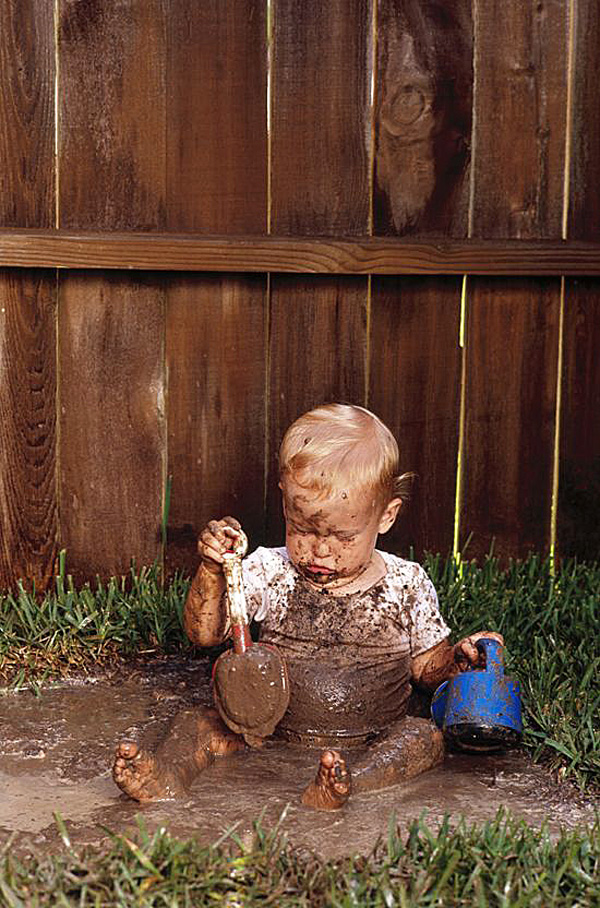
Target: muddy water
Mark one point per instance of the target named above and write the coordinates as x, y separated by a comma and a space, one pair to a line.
56, 751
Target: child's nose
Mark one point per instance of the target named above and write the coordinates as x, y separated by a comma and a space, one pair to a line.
321, 547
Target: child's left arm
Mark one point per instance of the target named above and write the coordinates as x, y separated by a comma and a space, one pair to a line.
436, 665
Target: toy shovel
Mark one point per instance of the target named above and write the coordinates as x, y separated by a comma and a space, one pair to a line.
250, 681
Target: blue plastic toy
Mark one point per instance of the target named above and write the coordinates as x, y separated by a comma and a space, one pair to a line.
480, 709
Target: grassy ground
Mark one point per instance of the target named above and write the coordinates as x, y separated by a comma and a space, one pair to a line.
551, 628
502, 863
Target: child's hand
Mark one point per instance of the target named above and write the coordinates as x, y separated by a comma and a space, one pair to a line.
466, 654
216, 539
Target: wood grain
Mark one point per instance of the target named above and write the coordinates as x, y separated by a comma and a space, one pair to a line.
414, 386
28, 510
27, 114
321, 117
319, 186
112, 114
112, 164
579, 478
216, 361
28, 519
112, 436
512, 347
521, 67
317, 355
216, 341
333, 255
217, 118
584, 185
520, 99
578, 531
423, 117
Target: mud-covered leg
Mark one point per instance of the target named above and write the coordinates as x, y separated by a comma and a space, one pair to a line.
330, 789
194, 739
410, 747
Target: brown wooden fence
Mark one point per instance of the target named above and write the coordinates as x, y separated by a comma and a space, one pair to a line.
218, 213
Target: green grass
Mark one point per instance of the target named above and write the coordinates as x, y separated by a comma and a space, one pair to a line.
502, 863
550, 623
72, 630
551, 628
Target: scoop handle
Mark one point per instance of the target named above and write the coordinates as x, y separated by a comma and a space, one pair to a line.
494, 654
236, 599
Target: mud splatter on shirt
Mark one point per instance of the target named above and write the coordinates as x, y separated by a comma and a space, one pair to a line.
348, 656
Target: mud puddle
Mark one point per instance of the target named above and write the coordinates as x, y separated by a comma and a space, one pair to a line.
56, 753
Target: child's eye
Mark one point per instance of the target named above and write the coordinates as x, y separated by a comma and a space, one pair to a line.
346, 537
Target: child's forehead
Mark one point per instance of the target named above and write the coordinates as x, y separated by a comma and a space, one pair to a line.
322, 502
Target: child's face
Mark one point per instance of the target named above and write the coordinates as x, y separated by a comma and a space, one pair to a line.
331, 540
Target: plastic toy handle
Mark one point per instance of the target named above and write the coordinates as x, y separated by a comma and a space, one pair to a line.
232, 568
493, 652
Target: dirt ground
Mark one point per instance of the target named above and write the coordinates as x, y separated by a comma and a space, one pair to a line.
56, 752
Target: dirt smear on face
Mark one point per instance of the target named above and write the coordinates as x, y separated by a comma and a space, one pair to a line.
56, 753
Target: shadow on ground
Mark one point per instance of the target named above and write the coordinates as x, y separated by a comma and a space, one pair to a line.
56, 752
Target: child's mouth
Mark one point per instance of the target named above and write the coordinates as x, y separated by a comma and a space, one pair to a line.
318, 572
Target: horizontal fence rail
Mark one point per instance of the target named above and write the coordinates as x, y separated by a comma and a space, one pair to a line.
280, 254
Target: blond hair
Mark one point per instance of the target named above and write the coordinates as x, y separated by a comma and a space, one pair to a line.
342, 445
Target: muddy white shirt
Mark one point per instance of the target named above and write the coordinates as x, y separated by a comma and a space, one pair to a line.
349, 656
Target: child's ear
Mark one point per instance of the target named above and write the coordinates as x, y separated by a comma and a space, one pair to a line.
388, 518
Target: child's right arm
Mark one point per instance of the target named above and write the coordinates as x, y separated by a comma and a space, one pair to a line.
205, 610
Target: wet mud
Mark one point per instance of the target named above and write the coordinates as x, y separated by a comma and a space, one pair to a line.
252, 690
56, 752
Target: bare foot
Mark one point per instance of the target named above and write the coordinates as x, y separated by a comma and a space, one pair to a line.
195, 738
331, 787
139, 775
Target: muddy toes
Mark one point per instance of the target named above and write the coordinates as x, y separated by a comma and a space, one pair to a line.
331, 788
138, 775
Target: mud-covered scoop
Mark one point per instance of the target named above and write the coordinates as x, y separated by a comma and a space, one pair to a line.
250, 681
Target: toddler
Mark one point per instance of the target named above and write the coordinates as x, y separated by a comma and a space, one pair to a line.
356, 626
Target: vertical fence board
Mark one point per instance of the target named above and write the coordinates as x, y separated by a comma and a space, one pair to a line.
423, 126
112, 114
512, 344
111, 327
423, 116
321, 117
512, 340
28, 438
216, 344
111, 421
520, 103
216, 367
584, 200
28, 527
27, 113
415, 388
579, 484
578, 530
321, 137
317, 354
217, 116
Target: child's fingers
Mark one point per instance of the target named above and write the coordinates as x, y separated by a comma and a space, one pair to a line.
217, 537
233, 523
466, 652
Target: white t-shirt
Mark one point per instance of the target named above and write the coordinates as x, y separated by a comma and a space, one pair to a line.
348, 656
